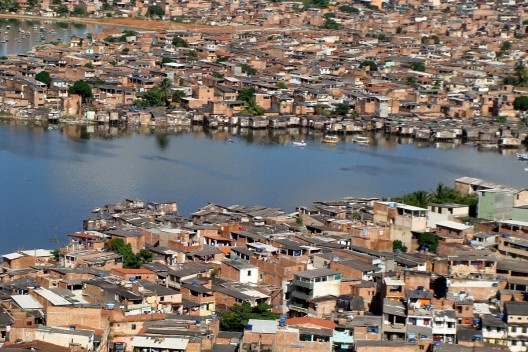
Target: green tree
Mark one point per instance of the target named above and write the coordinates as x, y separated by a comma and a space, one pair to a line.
418, 199
520, 73
62, 10
411, 81
399, 30
428, 241
348, 9
398, 245
521, 103
281, 85
78, 11
192, 54
165, 90
81, 88
342, 109
165, 60
178, 95
150, 98
371, 64
130, 260
246, 94
89, 65
331, 24
418, 66
252, 108
179, 42
43, 77
125, 51
506, 45
56, 254
221, 59
155, 11
236, 318
248, 70
106, 7
509, 81
443, 194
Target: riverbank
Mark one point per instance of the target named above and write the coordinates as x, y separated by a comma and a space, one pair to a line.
143, 24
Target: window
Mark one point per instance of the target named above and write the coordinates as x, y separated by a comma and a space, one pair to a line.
249, 273
133, 327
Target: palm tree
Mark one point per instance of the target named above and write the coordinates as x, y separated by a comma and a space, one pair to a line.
164, 90
421, 199
252, 108
443, 193
521, 74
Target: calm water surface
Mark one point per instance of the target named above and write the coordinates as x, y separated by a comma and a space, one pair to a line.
51, 178
38, 33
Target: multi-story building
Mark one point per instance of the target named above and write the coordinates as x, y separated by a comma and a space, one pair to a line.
311, 284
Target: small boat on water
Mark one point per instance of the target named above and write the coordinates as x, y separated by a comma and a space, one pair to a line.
299, 144
522, 156
361, 140
329, 139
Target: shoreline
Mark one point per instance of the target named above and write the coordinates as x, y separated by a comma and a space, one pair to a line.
140, 24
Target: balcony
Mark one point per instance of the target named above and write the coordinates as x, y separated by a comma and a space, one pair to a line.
297, 307
304, 284
394, 327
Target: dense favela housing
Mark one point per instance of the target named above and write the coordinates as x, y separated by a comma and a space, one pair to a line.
352, 274
439, 272
440, 70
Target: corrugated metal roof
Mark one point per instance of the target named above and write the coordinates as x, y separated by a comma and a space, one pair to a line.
159, 342
26, 302
52, 297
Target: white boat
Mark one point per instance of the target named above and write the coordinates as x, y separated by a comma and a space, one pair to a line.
300, 144
361, 140
330, 139
522, 156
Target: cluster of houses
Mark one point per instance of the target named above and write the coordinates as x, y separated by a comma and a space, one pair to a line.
399, 65
329, 270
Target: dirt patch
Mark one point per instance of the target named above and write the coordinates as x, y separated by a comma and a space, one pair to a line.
140, 24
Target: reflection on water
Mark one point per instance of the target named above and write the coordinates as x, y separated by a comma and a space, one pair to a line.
52, 175
23, 35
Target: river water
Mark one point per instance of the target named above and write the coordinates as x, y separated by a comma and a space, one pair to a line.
14, 41
50, 177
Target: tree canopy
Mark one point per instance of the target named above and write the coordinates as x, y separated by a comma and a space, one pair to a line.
252, 108
43, 77
398, 246
521, 103
179, 42
130, 260
369, 63
428, 241
246, 94
155, 10
441, 194
342, 109
248, 70
236, 318
81, 88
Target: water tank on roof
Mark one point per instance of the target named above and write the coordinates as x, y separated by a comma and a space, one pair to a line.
420, 288
249, 327
500, 315
197, 322
132, 278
